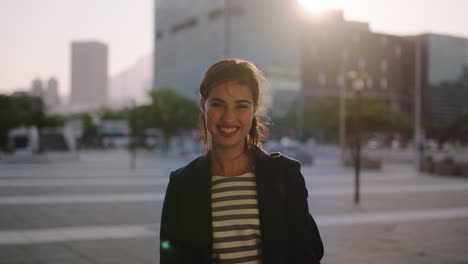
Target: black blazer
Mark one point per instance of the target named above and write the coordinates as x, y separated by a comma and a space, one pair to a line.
289, 233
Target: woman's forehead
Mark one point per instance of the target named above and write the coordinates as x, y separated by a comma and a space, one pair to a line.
231, 90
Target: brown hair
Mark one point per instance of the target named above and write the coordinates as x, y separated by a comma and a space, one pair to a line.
244, 72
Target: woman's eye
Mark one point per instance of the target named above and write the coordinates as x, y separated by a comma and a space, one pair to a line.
215, 104
243, 106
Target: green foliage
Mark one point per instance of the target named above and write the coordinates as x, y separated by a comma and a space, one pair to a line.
448, 160
170, 111
19, 110
109, 114
54, 121
456, 130
321, 118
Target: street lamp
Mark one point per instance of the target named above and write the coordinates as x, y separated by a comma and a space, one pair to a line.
358, 79
227, 28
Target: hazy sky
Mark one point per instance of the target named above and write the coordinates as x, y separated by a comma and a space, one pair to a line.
36, 34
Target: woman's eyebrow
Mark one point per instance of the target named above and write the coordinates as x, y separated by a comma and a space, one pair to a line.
216, 99
243, 101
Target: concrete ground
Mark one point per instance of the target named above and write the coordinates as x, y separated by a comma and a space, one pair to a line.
92, 208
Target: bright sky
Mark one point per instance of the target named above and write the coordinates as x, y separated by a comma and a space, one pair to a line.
36, 34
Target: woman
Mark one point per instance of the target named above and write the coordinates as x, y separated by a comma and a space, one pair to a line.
236, 203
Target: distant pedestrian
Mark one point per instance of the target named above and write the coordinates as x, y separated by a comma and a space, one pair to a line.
236, 203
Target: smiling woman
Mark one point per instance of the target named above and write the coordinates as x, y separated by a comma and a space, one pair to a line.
236, 203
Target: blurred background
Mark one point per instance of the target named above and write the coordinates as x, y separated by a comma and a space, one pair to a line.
99, 102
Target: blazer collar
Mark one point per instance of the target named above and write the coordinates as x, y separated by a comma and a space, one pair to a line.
204, 164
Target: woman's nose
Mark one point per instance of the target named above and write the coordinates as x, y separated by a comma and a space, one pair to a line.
229, 114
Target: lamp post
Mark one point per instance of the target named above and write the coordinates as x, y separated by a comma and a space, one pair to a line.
132, 123
342, 115
358, 83
227, 28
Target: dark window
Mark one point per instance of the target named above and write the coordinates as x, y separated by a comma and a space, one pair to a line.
159, 34
216, 13
237, 11
185, 25
219, 12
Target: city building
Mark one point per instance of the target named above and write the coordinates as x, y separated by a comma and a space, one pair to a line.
333, 47
444, 77
51, 97
190, 35
37, 88
89, 74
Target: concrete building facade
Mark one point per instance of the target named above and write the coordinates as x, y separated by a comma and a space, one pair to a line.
332, 47
444, 77
190, 35
89, 74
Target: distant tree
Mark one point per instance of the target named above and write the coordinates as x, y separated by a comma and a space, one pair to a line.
20, 110
321, 118
171, 111
453, 131
109, 114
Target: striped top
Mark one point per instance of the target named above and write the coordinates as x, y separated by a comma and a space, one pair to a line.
236, 224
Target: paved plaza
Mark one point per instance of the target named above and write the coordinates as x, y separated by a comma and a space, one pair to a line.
92, 208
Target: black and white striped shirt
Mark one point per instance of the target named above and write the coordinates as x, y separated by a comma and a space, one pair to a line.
236, 224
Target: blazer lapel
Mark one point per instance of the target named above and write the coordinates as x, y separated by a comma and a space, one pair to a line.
271, 202
197, 204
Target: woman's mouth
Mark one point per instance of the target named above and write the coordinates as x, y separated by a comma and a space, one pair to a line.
227, 131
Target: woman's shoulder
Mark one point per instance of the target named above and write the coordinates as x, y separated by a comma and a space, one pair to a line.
189, 168
283, 159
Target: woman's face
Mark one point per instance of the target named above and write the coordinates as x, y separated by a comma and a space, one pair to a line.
229, 110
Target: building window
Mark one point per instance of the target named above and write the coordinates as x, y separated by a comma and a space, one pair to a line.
191, 22
369, 83
344, 53
383, 66
236, 11
398, 50
322, 79
383, 83
324, 34
355, 37
219, 12
383, 41
361, 63
159, 34
313, 51
216, 13
340, 80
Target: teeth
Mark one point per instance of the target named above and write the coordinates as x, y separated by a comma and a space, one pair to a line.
228, 130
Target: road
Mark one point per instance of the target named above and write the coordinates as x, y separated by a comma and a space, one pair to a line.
92, 208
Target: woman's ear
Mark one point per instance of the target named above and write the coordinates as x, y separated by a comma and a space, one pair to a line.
202, 105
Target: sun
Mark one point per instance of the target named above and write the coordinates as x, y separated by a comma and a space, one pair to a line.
320, 6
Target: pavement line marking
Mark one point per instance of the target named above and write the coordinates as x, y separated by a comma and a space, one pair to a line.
438, 187
81, 198
64, 234
61, 234
390, 217
138, 180
82, 182
157, 197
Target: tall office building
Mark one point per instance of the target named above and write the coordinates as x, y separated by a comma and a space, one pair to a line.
37, 88
332, 47
190, 35
89, 74
444, 77
51, 97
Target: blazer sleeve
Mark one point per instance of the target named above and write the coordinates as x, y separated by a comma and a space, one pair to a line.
169, 250
306, 242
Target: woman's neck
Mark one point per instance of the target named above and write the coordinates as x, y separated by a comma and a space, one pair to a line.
231, 162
